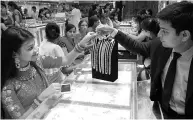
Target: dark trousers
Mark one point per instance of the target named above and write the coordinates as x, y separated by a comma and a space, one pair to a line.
170, 114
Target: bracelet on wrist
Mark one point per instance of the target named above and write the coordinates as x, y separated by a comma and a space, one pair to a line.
81, 46
78, 49
40, 101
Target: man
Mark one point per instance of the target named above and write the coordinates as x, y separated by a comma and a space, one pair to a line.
171, 60
34, 13
75, 16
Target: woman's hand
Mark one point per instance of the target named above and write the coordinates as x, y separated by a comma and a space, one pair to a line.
54, 88
87, 40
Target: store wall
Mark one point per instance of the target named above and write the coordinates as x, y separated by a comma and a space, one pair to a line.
132, 7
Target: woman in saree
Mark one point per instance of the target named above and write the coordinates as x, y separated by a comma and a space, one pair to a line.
67, 43
83, 30
16, 13
24, 83
6, 19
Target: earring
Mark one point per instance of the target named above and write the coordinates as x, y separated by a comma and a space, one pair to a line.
17, 62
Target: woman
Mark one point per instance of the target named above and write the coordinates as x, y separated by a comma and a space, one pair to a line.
138, 34
6, 19
83, 30
47, 13
151, 27
44, 14
93, 22
105, 20
16, 13
49, 48
116, 23
67, 43
41, 14
24, 84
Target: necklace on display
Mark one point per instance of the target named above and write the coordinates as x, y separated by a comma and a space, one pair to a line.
110, 54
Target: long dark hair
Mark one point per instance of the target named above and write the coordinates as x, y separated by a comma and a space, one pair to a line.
15, 6
12, 40
69, 26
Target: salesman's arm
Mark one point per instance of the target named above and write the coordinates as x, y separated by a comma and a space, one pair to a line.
142, 48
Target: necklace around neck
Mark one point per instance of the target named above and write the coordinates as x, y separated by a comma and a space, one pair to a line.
29, 75
25, 68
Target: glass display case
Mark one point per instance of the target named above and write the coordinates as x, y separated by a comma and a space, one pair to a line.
91, 99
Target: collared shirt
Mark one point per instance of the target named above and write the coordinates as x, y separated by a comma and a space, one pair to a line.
177, 101
34, 15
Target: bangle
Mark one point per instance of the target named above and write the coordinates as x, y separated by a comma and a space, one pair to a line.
81, 46
78, 49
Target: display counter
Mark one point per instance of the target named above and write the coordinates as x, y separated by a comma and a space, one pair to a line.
144, 110
92, 99
122, 52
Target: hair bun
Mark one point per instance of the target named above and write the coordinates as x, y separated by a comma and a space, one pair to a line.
53, 30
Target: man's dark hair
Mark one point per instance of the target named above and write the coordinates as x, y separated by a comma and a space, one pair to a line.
33, 7
180, 15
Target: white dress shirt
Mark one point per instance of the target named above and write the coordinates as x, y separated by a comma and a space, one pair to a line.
177, 101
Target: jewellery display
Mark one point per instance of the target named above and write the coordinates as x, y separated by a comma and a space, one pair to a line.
104, 59
110, 52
